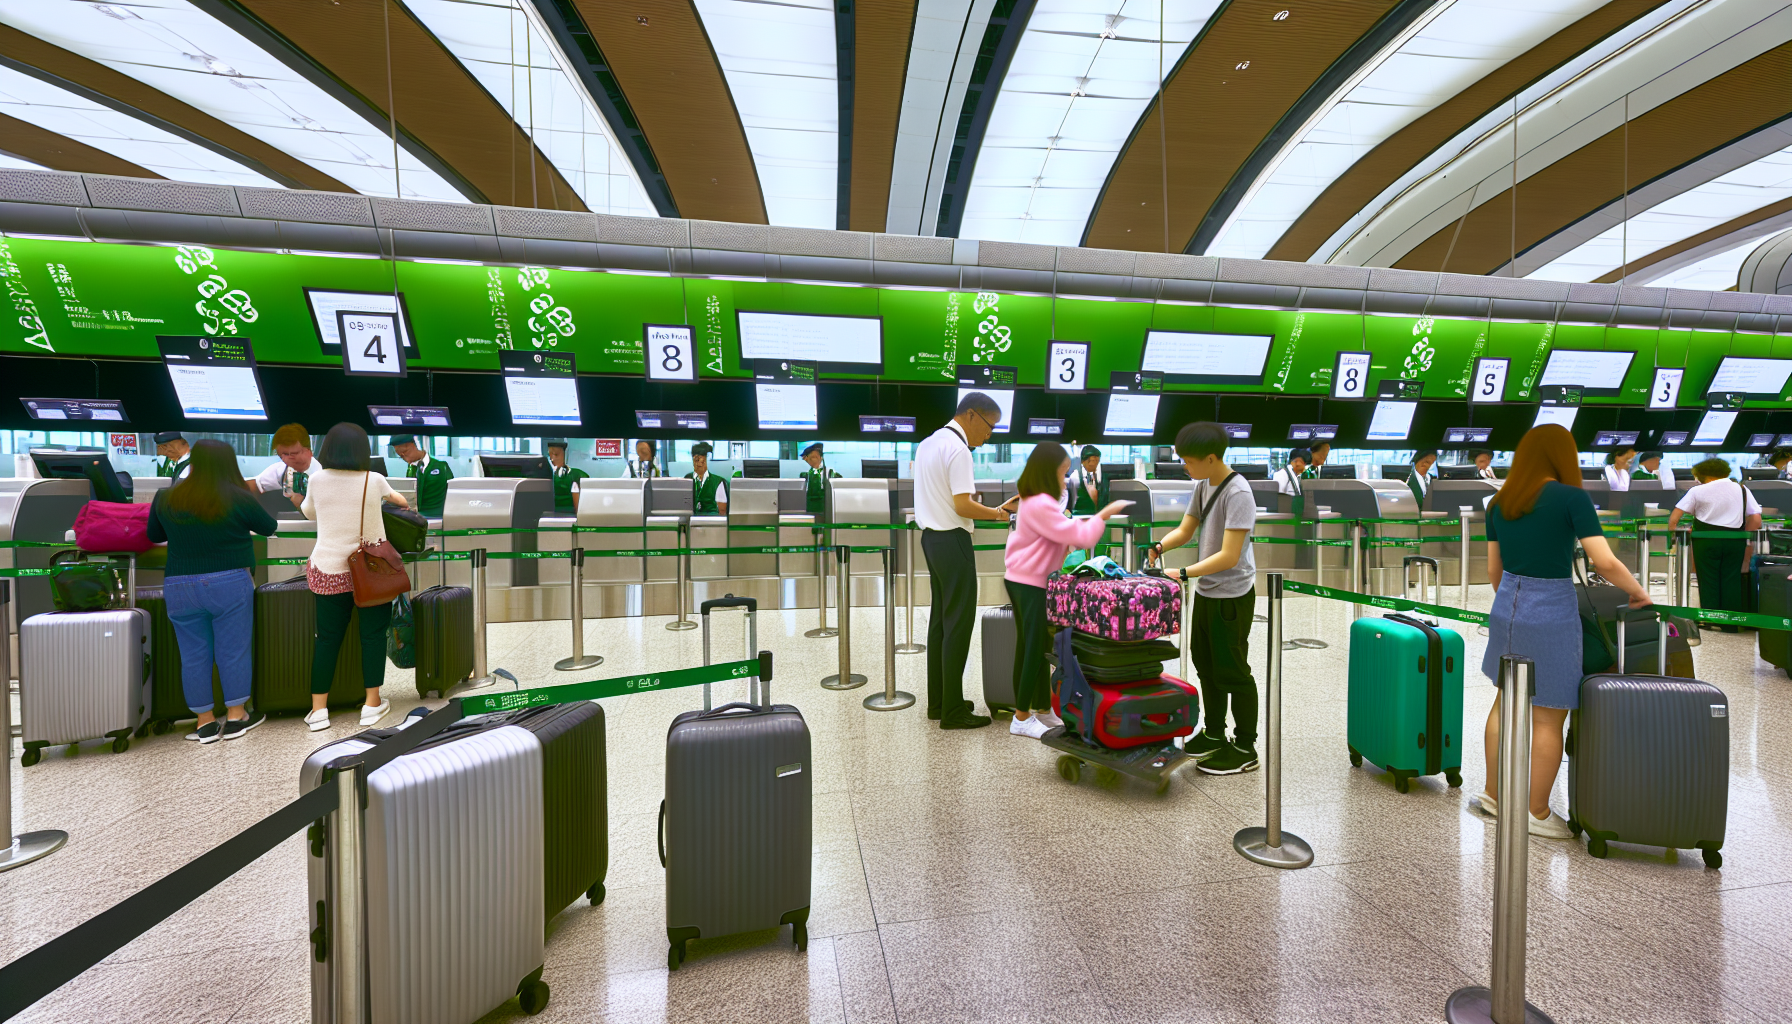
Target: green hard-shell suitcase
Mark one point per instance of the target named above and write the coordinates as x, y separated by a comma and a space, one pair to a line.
1405, 708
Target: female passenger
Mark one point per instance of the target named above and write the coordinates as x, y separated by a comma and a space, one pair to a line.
206, 518
1716, 504
342, 499
1037, 545
1532, 525
1617, 467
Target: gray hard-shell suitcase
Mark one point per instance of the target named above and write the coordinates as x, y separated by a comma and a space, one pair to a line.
737, 824
443, 620
83, 675
998, 659
1649, 762
453, 853
285, 641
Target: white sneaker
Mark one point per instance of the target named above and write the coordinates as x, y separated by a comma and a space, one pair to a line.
1051, 721
1485, 804
371, 713
1552, 827
319, 720
1032, 728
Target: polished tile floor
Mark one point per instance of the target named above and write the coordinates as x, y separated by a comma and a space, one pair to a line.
958, 878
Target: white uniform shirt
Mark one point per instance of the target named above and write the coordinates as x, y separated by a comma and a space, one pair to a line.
942, 469
1664, 478
1617, 479
1724, 504
1487, 474
1078, 483
1288, 482
697, 485
278, 475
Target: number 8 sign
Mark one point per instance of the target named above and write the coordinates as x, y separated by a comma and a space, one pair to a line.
370, 344
666, 349
1350, 379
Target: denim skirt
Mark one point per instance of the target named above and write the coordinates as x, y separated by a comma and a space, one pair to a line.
1540, 620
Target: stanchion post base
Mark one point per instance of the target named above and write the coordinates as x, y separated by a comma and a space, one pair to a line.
478, 682
1474, 1005
29, 846
833, 682
911, 648
1253, 844
889, 702
575, 664
820, 632
681, 624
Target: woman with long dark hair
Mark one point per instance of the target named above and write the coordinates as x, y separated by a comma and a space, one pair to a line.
344, 498
206, 519
1532, 524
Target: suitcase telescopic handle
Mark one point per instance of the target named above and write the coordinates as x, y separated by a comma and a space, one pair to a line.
1626, 615
739, 705
730, 601
1406, 565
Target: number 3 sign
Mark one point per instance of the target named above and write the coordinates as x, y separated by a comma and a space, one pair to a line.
667, 352
370, 344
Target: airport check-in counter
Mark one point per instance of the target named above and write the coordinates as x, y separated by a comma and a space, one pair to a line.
608, 502
902, 506
41, 510
1385, 499
1450, 497
487, 502
1301, 561
1169, 503
1774, 496
752, 503
1138, 510
711, 532
294, 538
991, 493
669, 503
860, 501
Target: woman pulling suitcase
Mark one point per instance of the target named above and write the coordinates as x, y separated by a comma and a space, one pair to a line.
1532, 524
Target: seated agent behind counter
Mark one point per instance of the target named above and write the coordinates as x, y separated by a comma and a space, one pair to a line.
291, 474
815, 481
709, 494
1649, 468
566, 478
1321, 451
1420, 480
432, 474
1086, 490
175, 453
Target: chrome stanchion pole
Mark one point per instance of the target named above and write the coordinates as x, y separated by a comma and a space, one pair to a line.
1503, 1002
684, 579
846, 678
821, 590
25, 847
579, 658
891, 699
1464, 512
1269, 844
1359, 573
909, 542
482, 675
1683, 566
349, 882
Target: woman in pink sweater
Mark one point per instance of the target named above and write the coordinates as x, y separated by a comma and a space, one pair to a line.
1036, 547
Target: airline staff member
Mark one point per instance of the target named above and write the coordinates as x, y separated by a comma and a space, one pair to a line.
175, 453
1649, 467
292, 473
1321, 452
1087, 490
1288, 477
815, 481
709, 493
432, 475
1484, 466
1617, 468
566, 478
642, 467
1420, 480
1778, 460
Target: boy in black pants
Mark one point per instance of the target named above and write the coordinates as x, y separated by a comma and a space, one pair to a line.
1221, 516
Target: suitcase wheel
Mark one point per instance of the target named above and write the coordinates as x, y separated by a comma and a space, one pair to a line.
160, 727
142, 731
121, 744
1453, 776
1402, 782
1069, 768
800, 932
533, 996
595, 894
31, 756
674, 956
1356, 759
1713, 858
1596, 847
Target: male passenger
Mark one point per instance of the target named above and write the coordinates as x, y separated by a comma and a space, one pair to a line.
1420, 480
1086, 491
432, 474
289, 476
566, 478
945, 504
175, 453
1221, 516
642, 468
709, 493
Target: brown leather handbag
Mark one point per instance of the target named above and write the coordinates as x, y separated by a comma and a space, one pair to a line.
376, 569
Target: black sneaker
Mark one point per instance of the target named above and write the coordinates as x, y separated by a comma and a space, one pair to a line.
210, 732
1229, 760
235, 727
1200, 746
964, 720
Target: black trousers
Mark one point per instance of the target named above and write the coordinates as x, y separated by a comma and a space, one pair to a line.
952, 580
1032, 679
1219, 647
333, 614
1720, 565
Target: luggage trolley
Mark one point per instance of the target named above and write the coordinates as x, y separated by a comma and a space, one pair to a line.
1154, 763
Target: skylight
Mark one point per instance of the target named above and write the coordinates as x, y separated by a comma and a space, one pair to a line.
1716, 272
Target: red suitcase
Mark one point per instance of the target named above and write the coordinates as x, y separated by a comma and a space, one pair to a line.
1121, 715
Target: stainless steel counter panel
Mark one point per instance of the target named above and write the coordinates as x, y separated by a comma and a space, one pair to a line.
475, 502
793, 496
144, 488
1170, 502
1302, 561
663, 567
294, 538
796, 530
670, 495
709, 532
614, 501
860, 501
753, 503
35, 509
1450, 495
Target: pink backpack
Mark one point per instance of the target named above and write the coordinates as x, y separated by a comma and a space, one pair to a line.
113, 526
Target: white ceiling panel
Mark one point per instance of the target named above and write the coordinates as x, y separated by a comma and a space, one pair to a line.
1716, 272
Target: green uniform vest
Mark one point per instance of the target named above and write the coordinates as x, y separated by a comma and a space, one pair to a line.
563, 481
1081, 504
1412, 481
432, 486
815, 489
172, 469
703, 494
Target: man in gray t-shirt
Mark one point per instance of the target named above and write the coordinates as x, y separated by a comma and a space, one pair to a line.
1219, 520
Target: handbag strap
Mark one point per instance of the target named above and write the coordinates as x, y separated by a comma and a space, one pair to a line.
361, 521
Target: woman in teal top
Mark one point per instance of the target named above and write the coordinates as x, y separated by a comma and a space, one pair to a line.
1532, 525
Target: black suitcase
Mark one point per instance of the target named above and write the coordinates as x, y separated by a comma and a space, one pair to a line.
442, 618
1773, 596
285, 635
576, 801
998, 640
167, 698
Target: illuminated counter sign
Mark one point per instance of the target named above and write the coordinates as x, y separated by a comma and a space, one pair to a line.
214, 378
1184, 357
106, 409
836, 344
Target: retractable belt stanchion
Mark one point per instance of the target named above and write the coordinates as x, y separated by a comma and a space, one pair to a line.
821, 591
891, 699
1683, 566
25, 847
349, 880
482, 674
1642, 555
1359, 573
1503, 1002
579, 658
1269, 844
684, 579
909, 542
846, 678
1464, 512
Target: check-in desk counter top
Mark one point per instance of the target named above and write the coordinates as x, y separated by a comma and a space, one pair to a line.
753, 503
487, 503
1303, 562
615, 504
295, 538
854, 500
991, 493
1169, 502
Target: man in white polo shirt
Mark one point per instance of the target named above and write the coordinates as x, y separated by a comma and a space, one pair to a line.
945, 505
291, 472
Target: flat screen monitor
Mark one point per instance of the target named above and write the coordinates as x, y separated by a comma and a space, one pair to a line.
408, 416
1400, 388
1673, 438
1395, 471
1785, 441
325, 304
1251, 471
1760, 379
998, 382
877, 469
1614, 438
1237, 431
672, 419
836, 344
1337, 472
1560, 414
1175, 470
511, 467
1467, 435
785, 390
1045, 427
1118, 471
1392, 420
1714, 427
759, 469
107, 410
214, 378
1597, 373
1142, 381
1192, 358
90, 464
886, 424
543, 388
1004, 401
1131, 415
1457, 473
1313, 432
1762, 473
1760, 441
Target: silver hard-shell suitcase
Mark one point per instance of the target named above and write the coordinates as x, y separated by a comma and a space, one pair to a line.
1649, 762
83, 675
454, 864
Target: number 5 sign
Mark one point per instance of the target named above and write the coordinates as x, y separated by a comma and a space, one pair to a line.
370, 344
667, 350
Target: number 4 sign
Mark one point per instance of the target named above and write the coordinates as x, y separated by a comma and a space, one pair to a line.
370, 344
666, 348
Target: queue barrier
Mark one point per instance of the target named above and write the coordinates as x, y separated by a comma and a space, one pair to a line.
1715, 616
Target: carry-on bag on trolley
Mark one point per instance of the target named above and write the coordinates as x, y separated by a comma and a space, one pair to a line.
1649, 759
1405, 692
83, 676
1153, 709
1124, 608
285, 631
1110, 661
1772, 579
442, 620
998, 639
736, 827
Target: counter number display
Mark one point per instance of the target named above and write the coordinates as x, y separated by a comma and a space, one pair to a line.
214, 378
543, 388
110, 410
1490, 380
1067, 366
668, 352
1664, 392
370, 346
1350, 376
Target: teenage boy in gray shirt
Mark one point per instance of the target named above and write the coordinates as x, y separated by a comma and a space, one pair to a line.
1220, 519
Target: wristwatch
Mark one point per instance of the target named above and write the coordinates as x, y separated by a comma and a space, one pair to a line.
1182, 574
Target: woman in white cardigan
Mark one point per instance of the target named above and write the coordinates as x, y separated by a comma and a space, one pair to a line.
344, 498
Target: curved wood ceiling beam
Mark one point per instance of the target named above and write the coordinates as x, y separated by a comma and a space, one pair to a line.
1666, 253
1702, 120
60, 153
1400, 152
1231, 90
882, 30
71, 71
439, 103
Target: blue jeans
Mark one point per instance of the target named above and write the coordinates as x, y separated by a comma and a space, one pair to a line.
213, 615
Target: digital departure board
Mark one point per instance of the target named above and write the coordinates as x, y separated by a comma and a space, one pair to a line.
1597, 373
109, 410
1186, 357
214, 378
1760, 379
408, 416
543, 388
